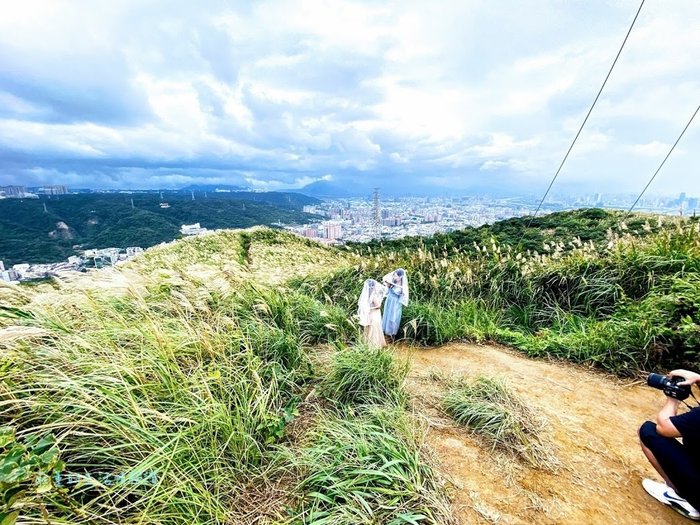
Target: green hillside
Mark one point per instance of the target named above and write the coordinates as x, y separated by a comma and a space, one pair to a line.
593, 288
523, 232
29, 234
219, 379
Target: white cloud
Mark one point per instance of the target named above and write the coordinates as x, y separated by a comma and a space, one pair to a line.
288, 91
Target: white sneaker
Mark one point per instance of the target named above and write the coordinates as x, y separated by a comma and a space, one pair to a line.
668, 496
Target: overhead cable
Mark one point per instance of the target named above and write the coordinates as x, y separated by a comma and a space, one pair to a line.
662, 163
590, 110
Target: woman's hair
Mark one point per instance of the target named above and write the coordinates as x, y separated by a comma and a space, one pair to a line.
400, 272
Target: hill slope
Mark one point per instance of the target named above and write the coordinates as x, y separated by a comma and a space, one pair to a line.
29, 234
219, 380
592, 420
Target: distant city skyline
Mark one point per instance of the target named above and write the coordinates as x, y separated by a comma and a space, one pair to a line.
355, 192
471, 97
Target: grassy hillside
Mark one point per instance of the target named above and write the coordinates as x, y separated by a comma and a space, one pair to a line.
29, 234
171, 391
523, 232
624, 300
219, 380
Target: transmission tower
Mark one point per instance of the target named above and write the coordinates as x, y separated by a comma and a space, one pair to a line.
377, 216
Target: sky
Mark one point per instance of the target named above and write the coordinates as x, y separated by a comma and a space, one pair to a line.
449, 95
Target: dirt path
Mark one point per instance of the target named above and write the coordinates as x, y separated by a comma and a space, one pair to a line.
593, 421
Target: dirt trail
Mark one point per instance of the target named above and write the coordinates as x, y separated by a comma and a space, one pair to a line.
593, 421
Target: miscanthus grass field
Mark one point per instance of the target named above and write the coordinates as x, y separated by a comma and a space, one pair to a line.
221, 379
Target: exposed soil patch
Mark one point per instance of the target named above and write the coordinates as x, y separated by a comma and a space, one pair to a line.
593, 423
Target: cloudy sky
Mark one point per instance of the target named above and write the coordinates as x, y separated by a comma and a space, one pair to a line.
277, 94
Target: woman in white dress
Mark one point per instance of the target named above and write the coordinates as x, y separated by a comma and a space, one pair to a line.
369, 309
397, 281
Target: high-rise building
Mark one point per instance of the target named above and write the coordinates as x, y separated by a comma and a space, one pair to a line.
332, 230
54, 190
13, 191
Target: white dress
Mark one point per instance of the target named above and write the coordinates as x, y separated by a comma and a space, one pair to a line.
369, 311
373, 333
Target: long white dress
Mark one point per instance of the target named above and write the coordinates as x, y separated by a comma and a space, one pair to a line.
369, 311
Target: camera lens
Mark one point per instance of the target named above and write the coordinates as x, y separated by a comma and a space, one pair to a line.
657, 381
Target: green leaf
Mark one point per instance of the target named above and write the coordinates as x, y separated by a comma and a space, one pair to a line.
16, 475
8, 518
12, 495
44, 444
7, 436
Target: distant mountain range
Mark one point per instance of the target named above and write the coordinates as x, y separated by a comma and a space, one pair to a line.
213, 187
336, 190
330, 190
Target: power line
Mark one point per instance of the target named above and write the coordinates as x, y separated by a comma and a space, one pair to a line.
662, 163
619, 52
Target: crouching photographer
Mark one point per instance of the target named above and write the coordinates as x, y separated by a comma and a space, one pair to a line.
678, 463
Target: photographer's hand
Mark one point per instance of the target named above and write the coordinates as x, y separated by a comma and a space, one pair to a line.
690, 377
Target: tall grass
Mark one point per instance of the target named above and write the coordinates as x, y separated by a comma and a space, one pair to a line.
169, 386
181, 384
624, 303
492, 411
368, 469
363, 375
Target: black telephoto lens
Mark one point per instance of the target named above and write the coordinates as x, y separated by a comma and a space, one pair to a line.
657, 381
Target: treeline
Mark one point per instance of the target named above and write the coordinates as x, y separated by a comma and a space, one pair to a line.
30, 234
523, 233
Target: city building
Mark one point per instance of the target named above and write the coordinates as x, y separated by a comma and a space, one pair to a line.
9, 275
2, 266
16, 192
131, 251
192, 229
20, 268
54, 190
332, 230
102, 257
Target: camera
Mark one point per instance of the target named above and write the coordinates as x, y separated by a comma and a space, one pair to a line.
669, 385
